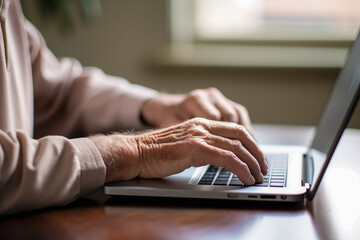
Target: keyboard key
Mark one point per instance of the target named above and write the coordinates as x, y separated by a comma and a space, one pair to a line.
275, 178
278, 174
220, 177
212, 168
235, 181
277, 181
201, 182
210, 173
207, 179
221, 182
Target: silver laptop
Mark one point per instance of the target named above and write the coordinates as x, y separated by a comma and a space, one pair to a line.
295, 172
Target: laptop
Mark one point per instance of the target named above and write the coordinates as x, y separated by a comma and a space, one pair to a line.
295, 172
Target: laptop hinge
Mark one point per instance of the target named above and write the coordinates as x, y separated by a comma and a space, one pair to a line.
307, 171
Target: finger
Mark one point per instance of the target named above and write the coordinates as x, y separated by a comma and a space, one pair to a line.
228, 113
243, 117
227, 159
241, 152
200, 106
238, 132
244, 120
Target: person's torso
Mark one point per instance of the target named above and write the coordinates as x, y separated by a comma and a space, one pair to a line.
16, 85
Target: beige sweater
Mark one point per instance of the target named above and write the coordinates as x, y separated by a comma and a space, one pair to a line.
43, 103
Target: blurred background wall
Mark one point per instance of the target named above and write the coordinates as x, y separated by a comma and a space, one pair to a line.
127, 34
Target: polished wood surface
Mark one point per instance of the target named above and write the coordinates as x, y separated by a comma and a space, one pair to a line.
333, 214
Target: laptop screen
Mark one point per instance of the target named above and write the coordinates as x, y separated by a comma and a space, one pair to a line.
336, 114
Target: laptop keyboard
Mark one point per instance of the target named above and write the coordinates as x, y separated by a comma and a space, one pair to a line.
276, 176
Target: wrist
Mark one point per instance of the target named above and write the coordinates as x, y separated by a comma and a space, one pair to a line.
150, 112
120, 154
161, 110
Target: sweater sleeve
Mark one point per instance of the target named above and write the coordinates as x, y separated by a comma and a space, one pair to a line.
50, 168
47, 172
72, 100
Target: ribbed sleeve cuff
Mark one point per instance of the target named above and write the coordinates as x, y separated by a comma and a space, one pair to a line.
93, 170
131, 107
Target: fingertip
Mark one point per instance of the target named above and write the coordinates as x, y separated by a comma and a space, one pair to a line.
251, 180
260, 179
266, 167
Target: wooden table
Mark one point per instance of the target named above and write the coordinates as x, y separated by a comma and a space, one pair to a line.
333, 214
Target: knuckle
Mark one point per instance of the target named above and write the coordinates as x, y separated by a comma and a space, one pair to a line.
229, 155
198, 131
194, 146
194, 95
194, 142
236, 144
228, 115
242, 109
193, 98
241, 129
243, 166
191, 122
213, 90
198, 121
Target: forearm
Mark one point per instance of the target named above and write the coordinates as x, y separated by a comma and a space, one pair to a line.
82, 100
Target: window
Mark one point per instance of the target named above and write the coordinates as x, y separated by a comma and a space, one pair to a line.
276, 19
262, 33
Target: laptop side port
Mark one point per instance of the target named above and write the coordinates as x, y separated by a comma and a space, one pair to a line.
252, 196
232, 195
268, 196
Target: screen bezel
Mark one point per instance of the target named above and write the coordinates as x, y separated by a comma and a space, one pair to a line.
344, 122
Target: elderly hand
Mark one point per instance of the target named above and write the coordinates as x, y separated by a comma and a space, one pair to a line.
170, 150
166, 110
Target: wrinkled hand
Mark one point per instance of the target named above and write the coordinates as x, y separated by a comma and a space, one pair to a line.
171, 150
166, 110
